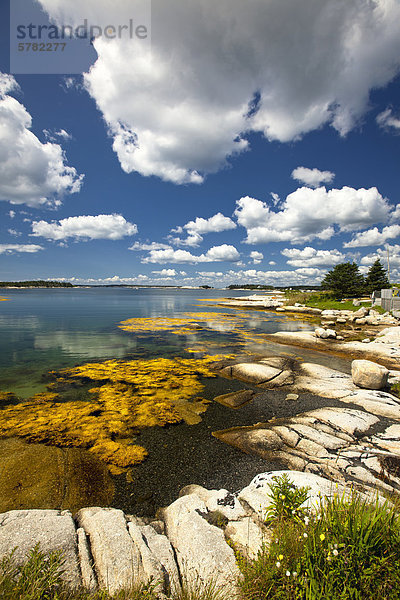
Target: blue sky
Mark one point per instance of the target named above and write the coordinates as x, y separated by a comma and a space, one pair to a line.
159, 167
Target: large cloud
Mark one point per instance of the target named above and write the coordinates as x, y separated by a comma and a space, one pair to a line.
31, 173
307, 214
85, 227
220, 69
310, 257
214, 254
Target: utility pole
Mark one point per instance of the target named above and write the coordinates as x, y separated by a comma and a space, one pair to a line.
388, 263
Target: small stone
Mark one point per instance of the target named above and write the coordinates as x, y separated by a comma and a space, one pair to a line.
366, 340
292, 397
356, 303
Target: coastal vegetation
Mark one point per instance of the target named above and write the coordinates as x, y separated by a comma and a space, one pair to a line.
36, 284
349, 549
345, 280
346, 548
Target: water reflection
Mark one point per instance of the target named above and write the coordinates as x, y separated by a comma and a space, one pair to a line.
87, 345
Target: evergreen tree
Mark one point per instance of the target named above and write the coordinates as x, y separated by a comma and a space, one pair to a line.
344, 280
376, 278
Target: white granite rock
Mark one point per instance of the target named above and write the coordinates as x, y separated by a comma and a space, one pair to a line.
202, 553
248, 537
162, 550
390, 335
369, 375
85, 561
258, 493
53, 530
349, 420
117, 559
152, 568
254, 372
217, 500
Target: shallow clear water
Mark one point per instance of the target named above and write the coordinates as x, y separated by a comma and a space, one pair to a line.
46, 329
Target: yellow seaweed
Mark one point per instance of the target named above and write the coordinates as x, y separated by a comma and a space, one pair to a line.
129, 396
188, 324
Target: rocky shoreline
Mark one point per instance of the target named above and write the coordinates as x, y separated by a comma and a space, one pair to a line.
105, 548
354, 444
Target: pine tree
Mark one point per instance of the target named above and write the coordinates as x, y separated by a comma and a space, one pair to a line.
376, 278
344, 280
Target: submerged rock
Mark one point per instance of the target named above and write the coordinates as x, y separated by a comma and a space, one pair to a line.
235, 399
39, 476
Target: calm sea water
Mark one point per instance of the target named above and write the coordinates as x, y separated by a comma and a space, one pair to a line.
45, 329
42, 330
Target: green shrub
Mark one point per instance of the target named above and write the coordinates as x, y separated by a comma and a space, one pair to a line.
286, 500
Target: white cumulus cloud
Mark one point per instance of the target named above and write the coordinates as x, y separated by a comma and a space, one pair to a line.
85, 227
197, 228
387, 119
307, 214
218, 70
310, 257
374, 237
214, 254
256, 257
138, 246
166, 272
11, 248
31, 173
53, 136
382, 253
312, 177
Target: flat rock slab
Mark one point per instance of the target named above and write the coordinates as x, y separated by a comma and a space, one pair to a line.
235, 399
348, 420
117, 559
387, 353
284, 378
254, 372
201, 550
51, 529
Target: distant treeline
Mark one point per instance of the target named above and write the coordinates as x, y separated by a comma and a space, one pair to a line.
250, 286
47, 284
254, 286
